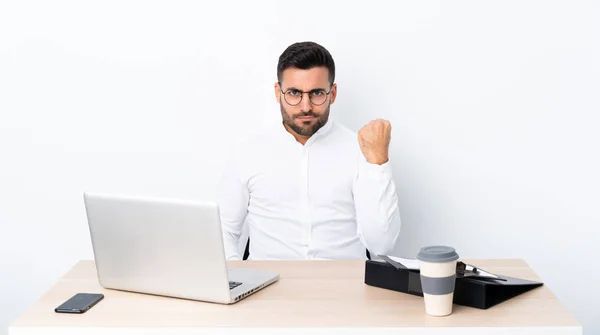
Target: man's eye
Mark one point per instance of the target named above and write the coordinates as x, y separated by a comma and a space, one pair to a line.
318, 93
293, 92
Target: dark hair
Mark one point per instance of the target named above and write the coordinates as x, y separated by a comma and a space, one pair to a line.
305, 55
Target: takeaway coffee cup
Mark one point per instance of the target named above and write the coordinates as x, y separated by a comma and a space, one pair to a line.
438, 275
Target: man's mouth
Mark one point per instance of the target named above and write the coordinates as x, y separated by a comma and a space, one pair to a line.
306, 117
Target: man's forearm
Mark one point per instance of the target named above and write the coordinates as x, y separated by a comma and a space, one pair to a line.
231, 242
377, 208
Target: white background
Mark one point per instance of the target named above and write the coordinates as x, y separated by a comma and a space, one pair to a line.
494, 106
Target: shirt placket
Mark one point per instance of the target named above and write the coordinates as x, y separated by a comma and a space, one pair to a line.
305, 201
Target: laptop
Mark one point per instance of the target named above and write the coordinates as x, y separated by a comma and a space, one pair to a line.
166, 247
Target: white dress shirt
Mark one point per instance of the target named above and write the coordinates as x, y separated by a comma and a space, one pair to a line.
320, 200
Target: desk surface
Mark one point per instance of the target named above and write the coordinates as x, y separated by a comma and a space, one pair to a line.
325, 296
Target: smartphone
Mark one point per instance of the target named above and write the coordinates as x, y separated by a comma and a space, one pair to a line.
79, 303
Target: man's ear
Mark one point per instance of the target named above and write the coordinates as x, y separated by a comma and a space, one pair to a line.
277, 91
333, 93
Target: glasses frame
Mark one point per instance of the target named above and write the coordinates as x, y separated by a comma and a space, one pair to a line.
302, 95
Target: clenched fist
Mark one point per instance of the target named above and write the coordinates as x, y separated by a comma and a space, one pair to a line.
374, 140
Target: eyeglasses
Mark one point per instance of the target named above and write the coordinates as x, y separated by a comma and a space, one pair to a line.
317, 96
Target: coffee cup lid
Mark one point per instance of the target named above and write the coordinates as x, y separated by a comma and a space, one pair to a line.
437, 254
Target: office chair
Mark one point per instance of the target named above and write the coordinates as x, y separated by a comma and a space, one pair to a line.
247, 251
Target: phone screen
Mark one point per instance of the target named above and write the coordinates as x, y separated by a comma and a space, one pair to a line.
79, 303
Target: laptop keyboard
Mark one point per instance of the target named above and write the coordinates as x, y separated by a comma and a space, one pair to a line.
233, 284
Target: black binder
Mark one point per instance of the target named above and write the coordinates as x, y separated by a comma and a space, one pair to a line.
469, 291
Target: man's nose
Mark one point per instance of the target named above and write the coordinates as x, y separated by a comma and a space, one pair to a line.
305, 104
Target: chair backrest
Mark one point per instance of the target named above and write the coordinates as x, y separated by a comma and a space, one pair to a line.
247, 251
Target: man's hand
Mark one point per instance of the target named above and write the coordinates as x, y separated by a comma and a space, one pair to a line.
374, 140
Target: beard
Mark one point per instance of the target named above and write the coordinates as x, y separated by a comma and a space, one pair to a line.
307, 128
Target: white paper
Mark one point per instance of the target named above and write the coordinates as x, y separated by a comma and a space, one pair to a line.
412, 264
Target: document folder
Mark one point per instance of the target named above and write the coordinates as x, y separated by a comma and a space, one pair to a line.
469, 291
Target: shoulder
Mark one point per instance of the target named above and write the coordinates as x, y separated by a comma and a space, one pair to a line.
343, 131
344, 136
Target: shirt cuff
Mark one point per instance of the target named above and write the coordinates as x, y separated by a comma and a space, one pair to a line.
376, 171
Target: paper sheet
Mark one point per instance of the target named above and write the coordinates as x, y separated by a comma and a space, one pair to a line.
412, 264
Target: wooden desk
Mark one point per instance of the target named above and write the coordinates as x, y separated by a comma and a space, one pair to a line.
311, 296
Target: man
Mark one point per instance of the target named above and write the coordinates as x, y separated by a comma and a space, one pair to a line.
310, 189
